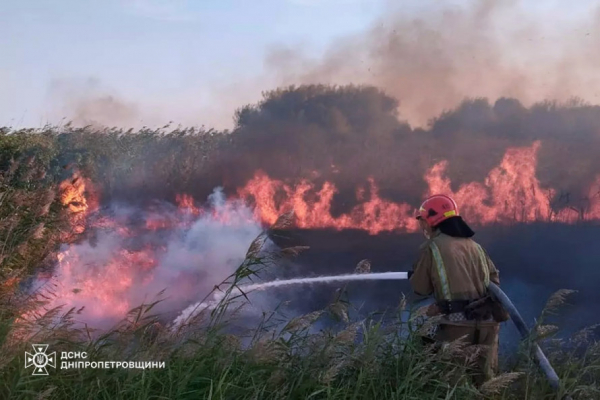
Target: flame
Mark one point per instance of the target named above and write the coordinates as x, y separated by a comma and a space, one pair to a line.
186, 203
73, 195
510, 193
593, 210
110, 279
101, 290
374, 215
157, 222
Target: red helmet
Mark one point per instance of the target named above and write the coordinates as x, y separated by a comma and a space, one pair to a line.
437, 208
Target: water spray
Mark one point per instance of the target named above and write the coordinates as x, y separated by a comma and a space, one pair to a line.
498, 293
333, 278
319, 279
242, 289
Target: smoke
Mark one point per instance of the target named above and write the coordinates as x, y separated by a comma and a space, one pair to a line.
434, 57
348, 135
429, 55
505, 62
510, 58
99, 111
113, 271
90, 103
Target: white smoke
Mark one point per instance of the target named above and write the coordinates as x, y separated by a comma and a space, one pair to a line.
112, 271
209, 251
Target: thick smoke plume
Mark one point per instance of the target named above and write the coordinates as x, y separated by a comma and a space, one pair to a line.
432, 56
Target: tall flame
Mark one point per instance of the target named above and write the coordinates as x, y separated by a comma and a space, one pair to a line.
374, 215
76, 193
510, 193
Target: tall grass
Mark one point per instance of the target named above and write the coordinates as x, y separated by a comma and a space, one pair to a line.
278, 358
374, 358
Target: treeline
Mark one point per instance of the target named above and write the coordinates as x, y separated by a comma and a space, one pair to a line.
345, 134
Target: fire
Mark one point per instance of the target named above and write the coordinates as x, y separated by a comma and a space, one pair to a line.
510, 193
101, 289
157, 222
73, 195
126, 261
131, 258
593, 210
186, 202
374, 215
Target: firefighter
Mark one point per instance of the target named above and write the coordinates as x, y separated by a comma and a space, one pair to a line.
456, 270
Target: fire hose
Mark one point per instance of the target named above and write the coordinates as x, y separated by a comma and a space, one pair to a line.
515, 316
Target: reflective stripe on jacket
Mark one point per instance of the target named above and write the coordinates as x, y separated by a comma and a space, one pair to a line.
453, 269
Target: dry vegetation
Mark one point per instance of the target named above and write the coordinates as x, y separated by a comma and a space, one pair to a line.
359, 359
366, 359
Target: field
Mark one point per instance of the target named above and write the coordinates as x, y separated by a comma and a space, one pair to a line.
46, 196
361, 359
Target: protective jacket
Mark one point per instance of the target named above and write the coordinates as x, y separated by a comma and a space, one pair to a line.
453, 269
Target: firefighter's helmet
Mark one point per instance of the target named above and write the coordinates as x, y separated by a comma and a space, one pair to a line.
437, 208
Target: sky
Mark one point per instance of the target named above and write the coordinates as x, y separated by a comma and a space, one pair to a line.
141, 49
189, 61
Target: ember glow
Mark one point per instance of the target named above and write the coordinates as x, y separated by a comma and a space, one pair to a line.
127, 255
